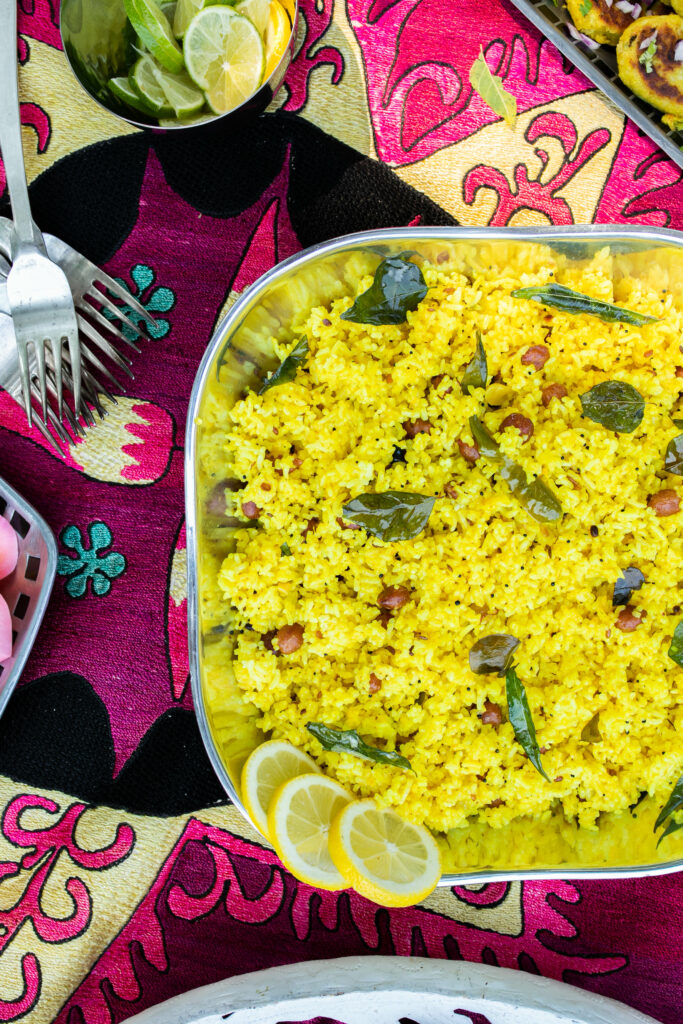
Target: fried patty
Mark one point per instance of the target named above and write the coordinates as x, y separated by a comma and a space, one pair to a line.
600, 21
646, 56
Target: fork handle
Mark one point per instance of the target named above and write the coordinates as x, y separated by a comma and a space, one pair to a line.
10, 129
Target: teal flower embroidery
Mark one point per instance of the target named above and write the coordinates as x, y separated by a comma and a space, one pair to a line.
89, 563
158, 300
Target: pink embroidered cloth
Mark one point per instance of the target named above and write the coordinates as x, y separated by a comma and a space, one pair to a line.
125, 878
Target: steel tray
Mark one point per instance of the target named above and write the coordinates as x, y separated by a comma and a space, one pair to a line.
265, 311
27, 590
600, 66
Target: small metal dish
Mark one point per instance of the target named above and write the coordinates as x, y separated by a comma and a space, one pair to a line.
28, 589
97, 40
242, 351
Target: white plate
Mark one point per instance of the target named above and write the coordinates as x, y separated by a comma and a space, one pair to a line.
386, 990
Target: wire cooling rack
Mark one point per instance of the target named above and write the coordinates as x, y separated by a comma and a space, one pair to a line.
600, 66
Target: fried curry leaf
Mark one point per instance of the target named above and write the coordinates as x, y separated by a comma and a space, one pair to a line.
673, 826
673, 460
490, 88
484, 439
676, 648
677, 423
558, 296
493, 654
285, 549
390, 515
614, 404
397, 288
521, 721
673, 804
535, 496
591, 730
476, 371
347, 741
286, 371
631, 579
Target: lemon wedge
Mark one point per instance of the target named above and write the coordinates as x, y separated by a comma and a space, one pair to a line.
278, 31
299, 820
225, 56
265, 770
154, 30
382, 856
144, 78
122, 89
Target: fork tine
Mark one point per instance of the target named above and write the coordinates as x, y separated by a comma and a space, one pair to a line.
86, 414
93, 396
104, 300
56, 347
95, 387
48, 437
54, 422
106, 393
122, 293
39, 350
42, 427
75, 355
68, 414
95, 362
58, 428
99, 318
25, 382
123, 362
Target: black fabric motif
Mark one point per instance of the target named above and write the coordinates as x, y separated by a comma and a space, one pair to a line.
55, 734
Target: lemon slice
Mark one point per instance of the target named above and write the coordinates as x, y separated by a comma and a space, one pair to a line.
144, 78
265, 770
122, 89
225, 56
154, 30
382, 856
168, 10
278, 31
299, 819
258, 12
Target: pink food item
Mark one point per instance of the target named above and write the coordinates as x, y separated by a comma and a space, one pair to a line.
9, 551
5, 631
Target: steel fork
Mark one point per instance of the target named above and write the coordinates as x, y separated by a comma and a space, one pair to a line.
38, 292
87, 282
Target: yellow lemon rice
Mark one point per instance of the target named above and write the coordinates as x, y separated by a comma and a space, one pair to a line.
607, 704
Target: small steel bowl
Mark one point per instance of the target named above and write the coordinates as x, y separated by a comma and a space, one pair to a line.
98, 39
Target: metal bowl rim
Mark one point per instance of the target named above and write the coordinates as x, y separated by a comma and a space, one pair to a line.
577, 232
